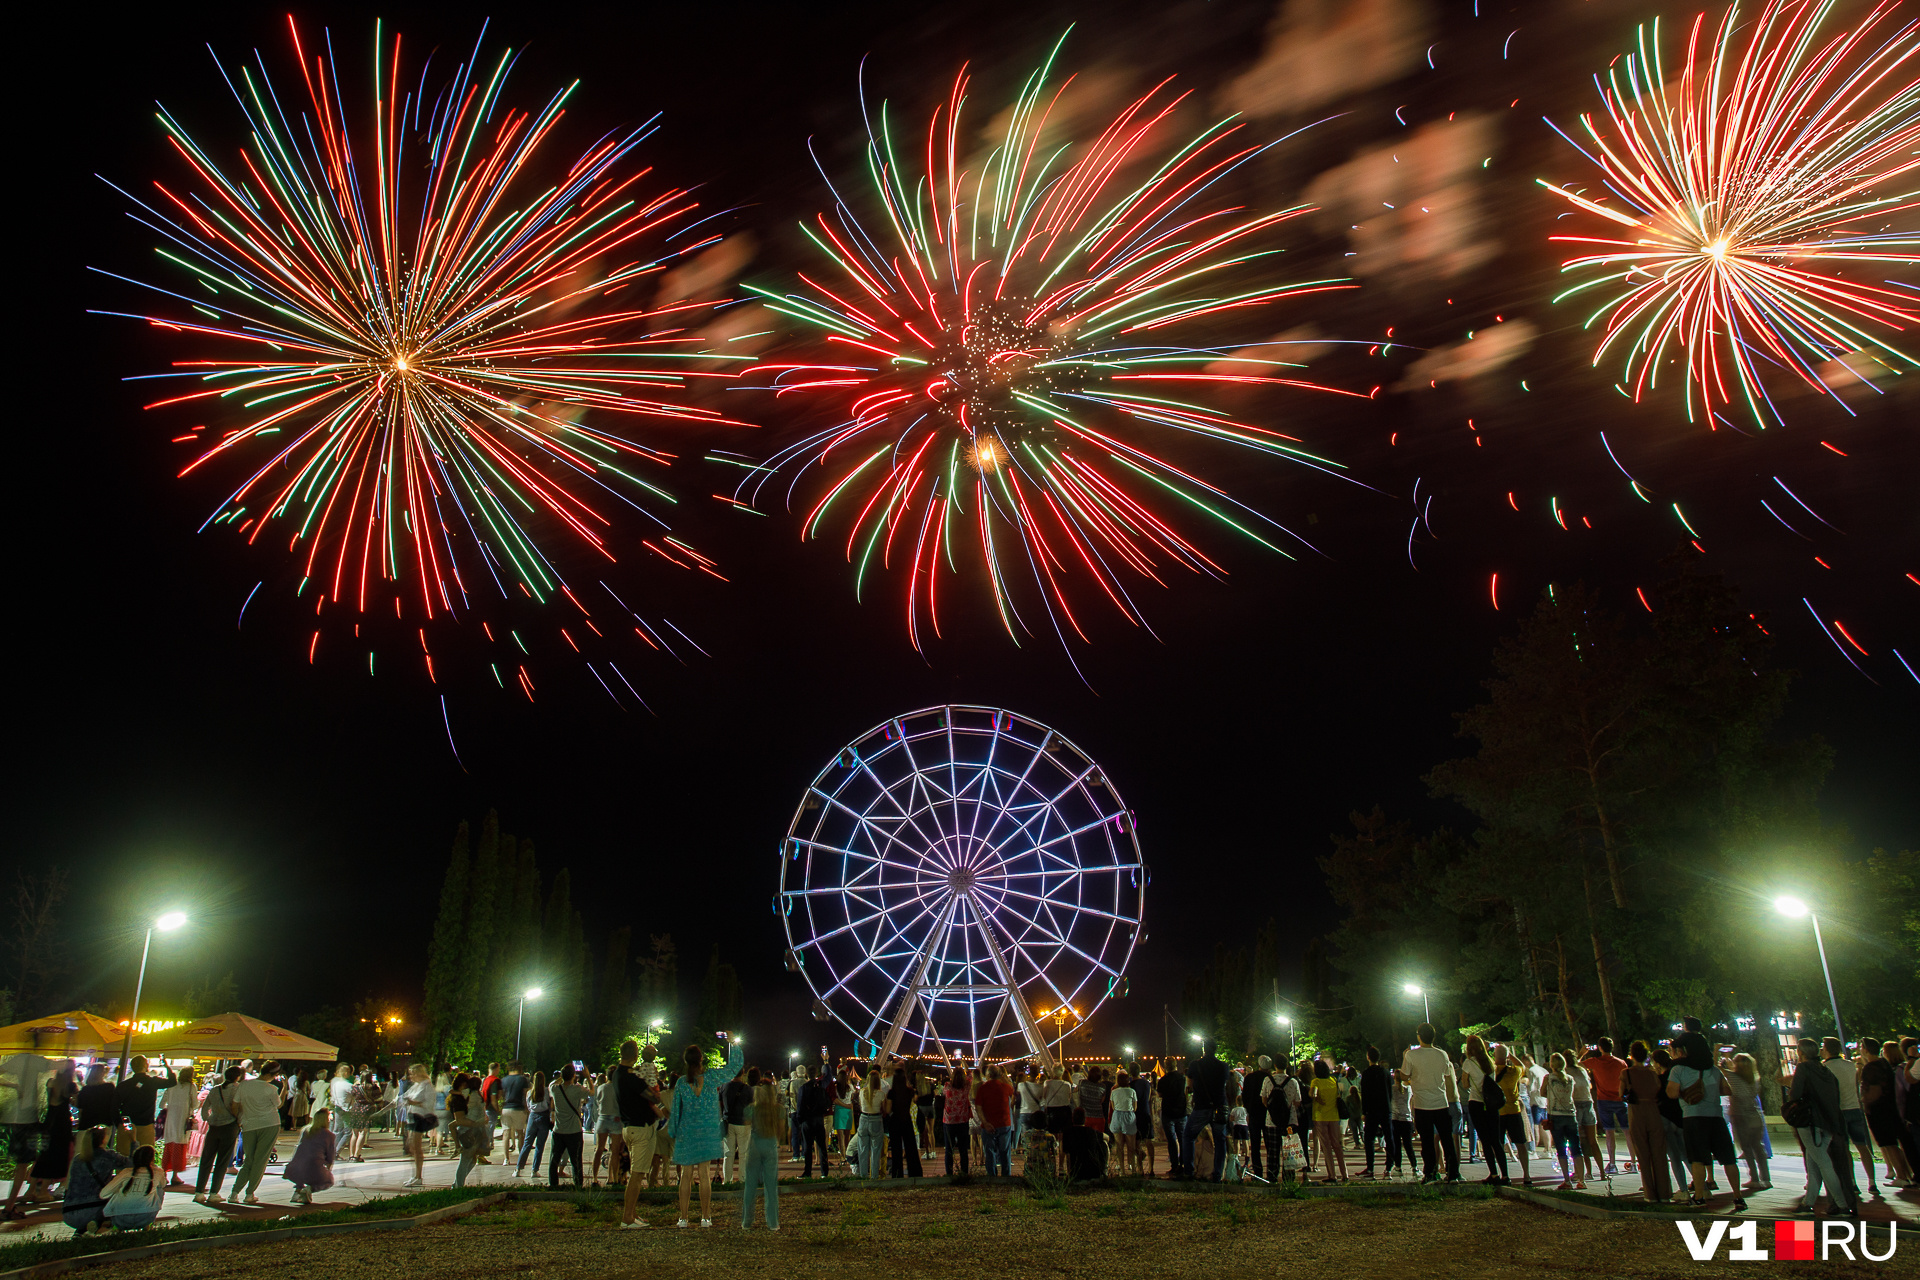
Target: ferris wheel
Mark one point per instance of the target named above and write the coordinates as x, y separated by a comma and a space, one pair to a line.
956, 881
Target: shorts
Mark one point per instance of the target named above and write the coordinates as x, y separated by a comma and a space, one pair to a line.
1540, 1117
1240, 1133
640, 1144
607, 1126
1583, 1113
515, 1121
1122, 1124
1516, 1132
417, 1123
25, 1142
1709, 1141
1855, 1123
1884, 1124
1613, 1115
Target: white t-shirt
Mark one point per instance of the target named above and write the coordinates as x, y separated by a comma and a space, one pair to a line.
1474, 1076
1030, 1097
1430, 1071
1582, 1087
342, 1092
1237, 1116
420, 1099
1403, 1103
1848, 1077
259, 1102
1121, 1098
27, 1074
1536, 1080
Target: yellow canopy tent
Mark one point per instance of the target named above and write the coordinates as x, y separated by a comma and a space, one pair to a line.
62, 1034
233, 1035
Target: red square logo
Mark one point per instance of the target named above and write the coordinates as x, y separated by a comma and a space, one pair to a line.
1793, 1241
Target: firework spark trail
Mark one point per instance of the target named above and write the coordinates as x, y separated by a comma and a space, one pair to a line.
414, 331
1005, 339
1750, 185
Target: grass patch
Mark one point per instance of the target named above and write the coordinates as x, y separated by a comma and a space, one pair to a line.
28, 1252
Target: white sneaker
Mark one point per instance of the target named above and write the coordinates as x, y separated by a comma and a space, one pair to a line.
216, 1198
413, 1182
253, 1199
200, 1198
519, 1173
628, 1226
706, 1222
681, 1223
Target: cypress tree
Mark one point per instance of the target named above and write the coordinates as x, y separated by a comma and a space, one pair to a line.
439, 1010
615, 1001
477, 945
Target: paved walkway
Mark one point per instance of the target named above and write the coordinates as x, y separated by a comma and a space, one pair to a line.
386, 1170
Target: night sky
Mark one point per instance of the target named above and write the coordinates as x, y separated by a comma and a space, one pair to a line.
302, 814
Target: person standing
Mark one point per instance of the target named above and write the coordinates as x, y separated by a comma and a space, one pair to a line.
539, 1127
178, 1102
609, 1131
469, 1132
1813, 1109
640, 1115
698, 1125
56, 1138
1606, 1070
1853, 1117
1879, 1102
1510, 1124
1642, 1089
1033, 1112
512, 1093
870, 1100
767, 1121
570, 1100
421, 1101
1483, 1108
256, 1104
993, 1101
26, 1074
1749, 1124
903, 1134
1208, 1075
1699, 1086
1429, 1071
1376, 1106
1401, 1141
1123, 1120
1092, 1099
216, 1148
957, 1112
738, 1097
1326, 1122
138, 1097
816, 1105
97, 1102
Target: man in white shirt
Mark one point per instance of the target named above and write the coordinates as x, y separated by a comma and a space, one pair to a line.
1428, 1071
1853, 1117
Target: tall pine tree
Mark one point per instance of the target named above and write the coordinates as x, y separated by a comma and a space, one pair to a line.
440, 1011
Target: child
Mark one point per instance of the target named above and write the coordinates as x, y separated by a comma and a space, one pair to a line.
1241, 1136
311, 1168
132, 1197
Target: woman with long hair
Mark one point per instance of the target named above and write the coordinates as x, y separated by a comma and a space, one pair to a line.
56, 1131
539, 1125
1123, 1120
903, 1137
698, 1125
958, 1101
607, 1131
874, 1106
767, 1116
569, 1124
1476, 1067
1563, 1120
845, 1082
132, 1197
181, 1097
311, 1168
1749, 1125
1511, 1123
1326, 1122
1586, 1117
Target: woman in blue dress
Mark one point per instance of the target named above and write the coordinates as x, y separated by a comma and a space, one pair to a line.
698, 1125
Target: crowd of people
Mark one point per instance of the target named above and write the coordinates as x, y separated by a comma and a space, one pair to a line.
1676, 1114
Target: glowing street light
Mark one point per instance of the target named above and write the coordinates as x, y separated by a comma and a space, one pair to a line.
1415, 989
1795, 908
1287, 1022
520, 1021
167, 923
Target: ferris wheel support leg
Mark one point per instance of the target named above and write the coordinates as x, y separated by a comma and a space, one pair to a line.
890, 1043
1035, 1041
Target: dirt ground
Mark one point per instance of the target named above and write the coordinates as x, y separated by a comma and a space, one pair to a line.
997, 1232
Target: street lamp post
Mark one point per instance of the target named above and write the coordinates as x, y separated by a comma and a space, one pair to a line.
1287, 1022
1796, 908
1426, 1006
166, 924
520, 1021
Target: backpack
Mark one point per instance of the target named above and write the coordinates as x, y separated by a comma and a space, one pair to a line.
1492, 1096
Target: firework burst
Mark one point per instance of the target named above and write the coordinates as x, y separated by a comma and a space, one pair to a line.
429, 341
1013, 338
1762, 191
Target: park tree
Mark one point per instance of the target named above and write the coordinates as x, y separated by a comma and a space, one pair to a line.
211, 998
35, 946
